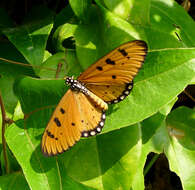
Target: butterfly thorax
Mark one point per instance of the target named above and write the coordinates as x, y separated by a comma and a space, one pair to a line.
77, 86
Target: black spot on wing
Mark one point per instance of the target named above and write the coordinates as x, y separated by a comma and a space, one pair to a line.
99, 68
123, 52
56, 120
62, 110
114, 76
73, 124
50, 134
110, 62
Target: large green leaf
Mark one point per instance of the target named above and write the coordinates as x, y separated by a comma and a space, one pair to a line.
136, 12
176, 139
30, 38
181, 150
13, 181
153, 140
109, 162
9, 72
80, 8
165, 26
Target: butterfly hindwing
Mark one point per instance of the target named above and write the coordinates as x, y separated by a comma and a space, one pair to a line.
111, 93
92, 116
111, 77
75, 116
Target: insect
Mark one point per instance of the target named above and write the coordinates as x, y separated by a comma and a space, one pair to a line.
81, 111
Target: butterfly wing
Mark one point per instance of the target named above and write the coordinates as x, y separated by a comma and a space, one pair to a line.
111, 77
75, 116
111, 93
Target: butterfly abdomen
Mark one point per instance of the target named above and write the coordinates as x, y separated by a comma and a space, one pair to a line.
98, 101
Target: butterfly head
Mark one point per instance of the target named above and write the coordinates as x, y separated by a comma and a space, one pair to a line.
75, 85
70, 80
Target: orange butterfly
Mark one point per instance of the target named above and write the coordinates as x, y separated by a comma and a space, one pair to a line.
81, 111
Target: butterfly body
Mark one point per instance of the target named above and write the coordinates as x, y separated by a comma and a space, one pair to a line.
81, 111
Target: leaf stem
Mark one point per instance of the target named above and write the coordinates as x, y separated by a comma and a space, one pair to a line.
58, 70
189, 95
4, 119
26, 65
150, 164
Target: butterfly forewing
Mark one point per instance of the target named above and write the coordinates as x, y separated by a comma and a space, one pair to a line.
111, 77
75, 116
117, 67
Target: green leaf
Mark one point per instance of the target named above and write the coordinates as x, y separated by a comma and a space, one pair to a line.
165, 13
30, 38
176, 139
153, 140
13, 181
140, 13
9, 71
12, 63
12, 164
60, 64
60, 19
6, 87
181, 150
181, 124
63, 32
18, 114
165, 110
136, 12
44, 92
80, 8
40, 172
112, 156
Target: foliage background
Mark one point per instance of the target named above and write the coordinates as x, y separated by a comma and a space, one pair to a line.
75, 34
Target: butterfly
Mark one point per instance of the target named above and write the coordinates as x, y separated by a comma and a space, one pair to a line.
81, 111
